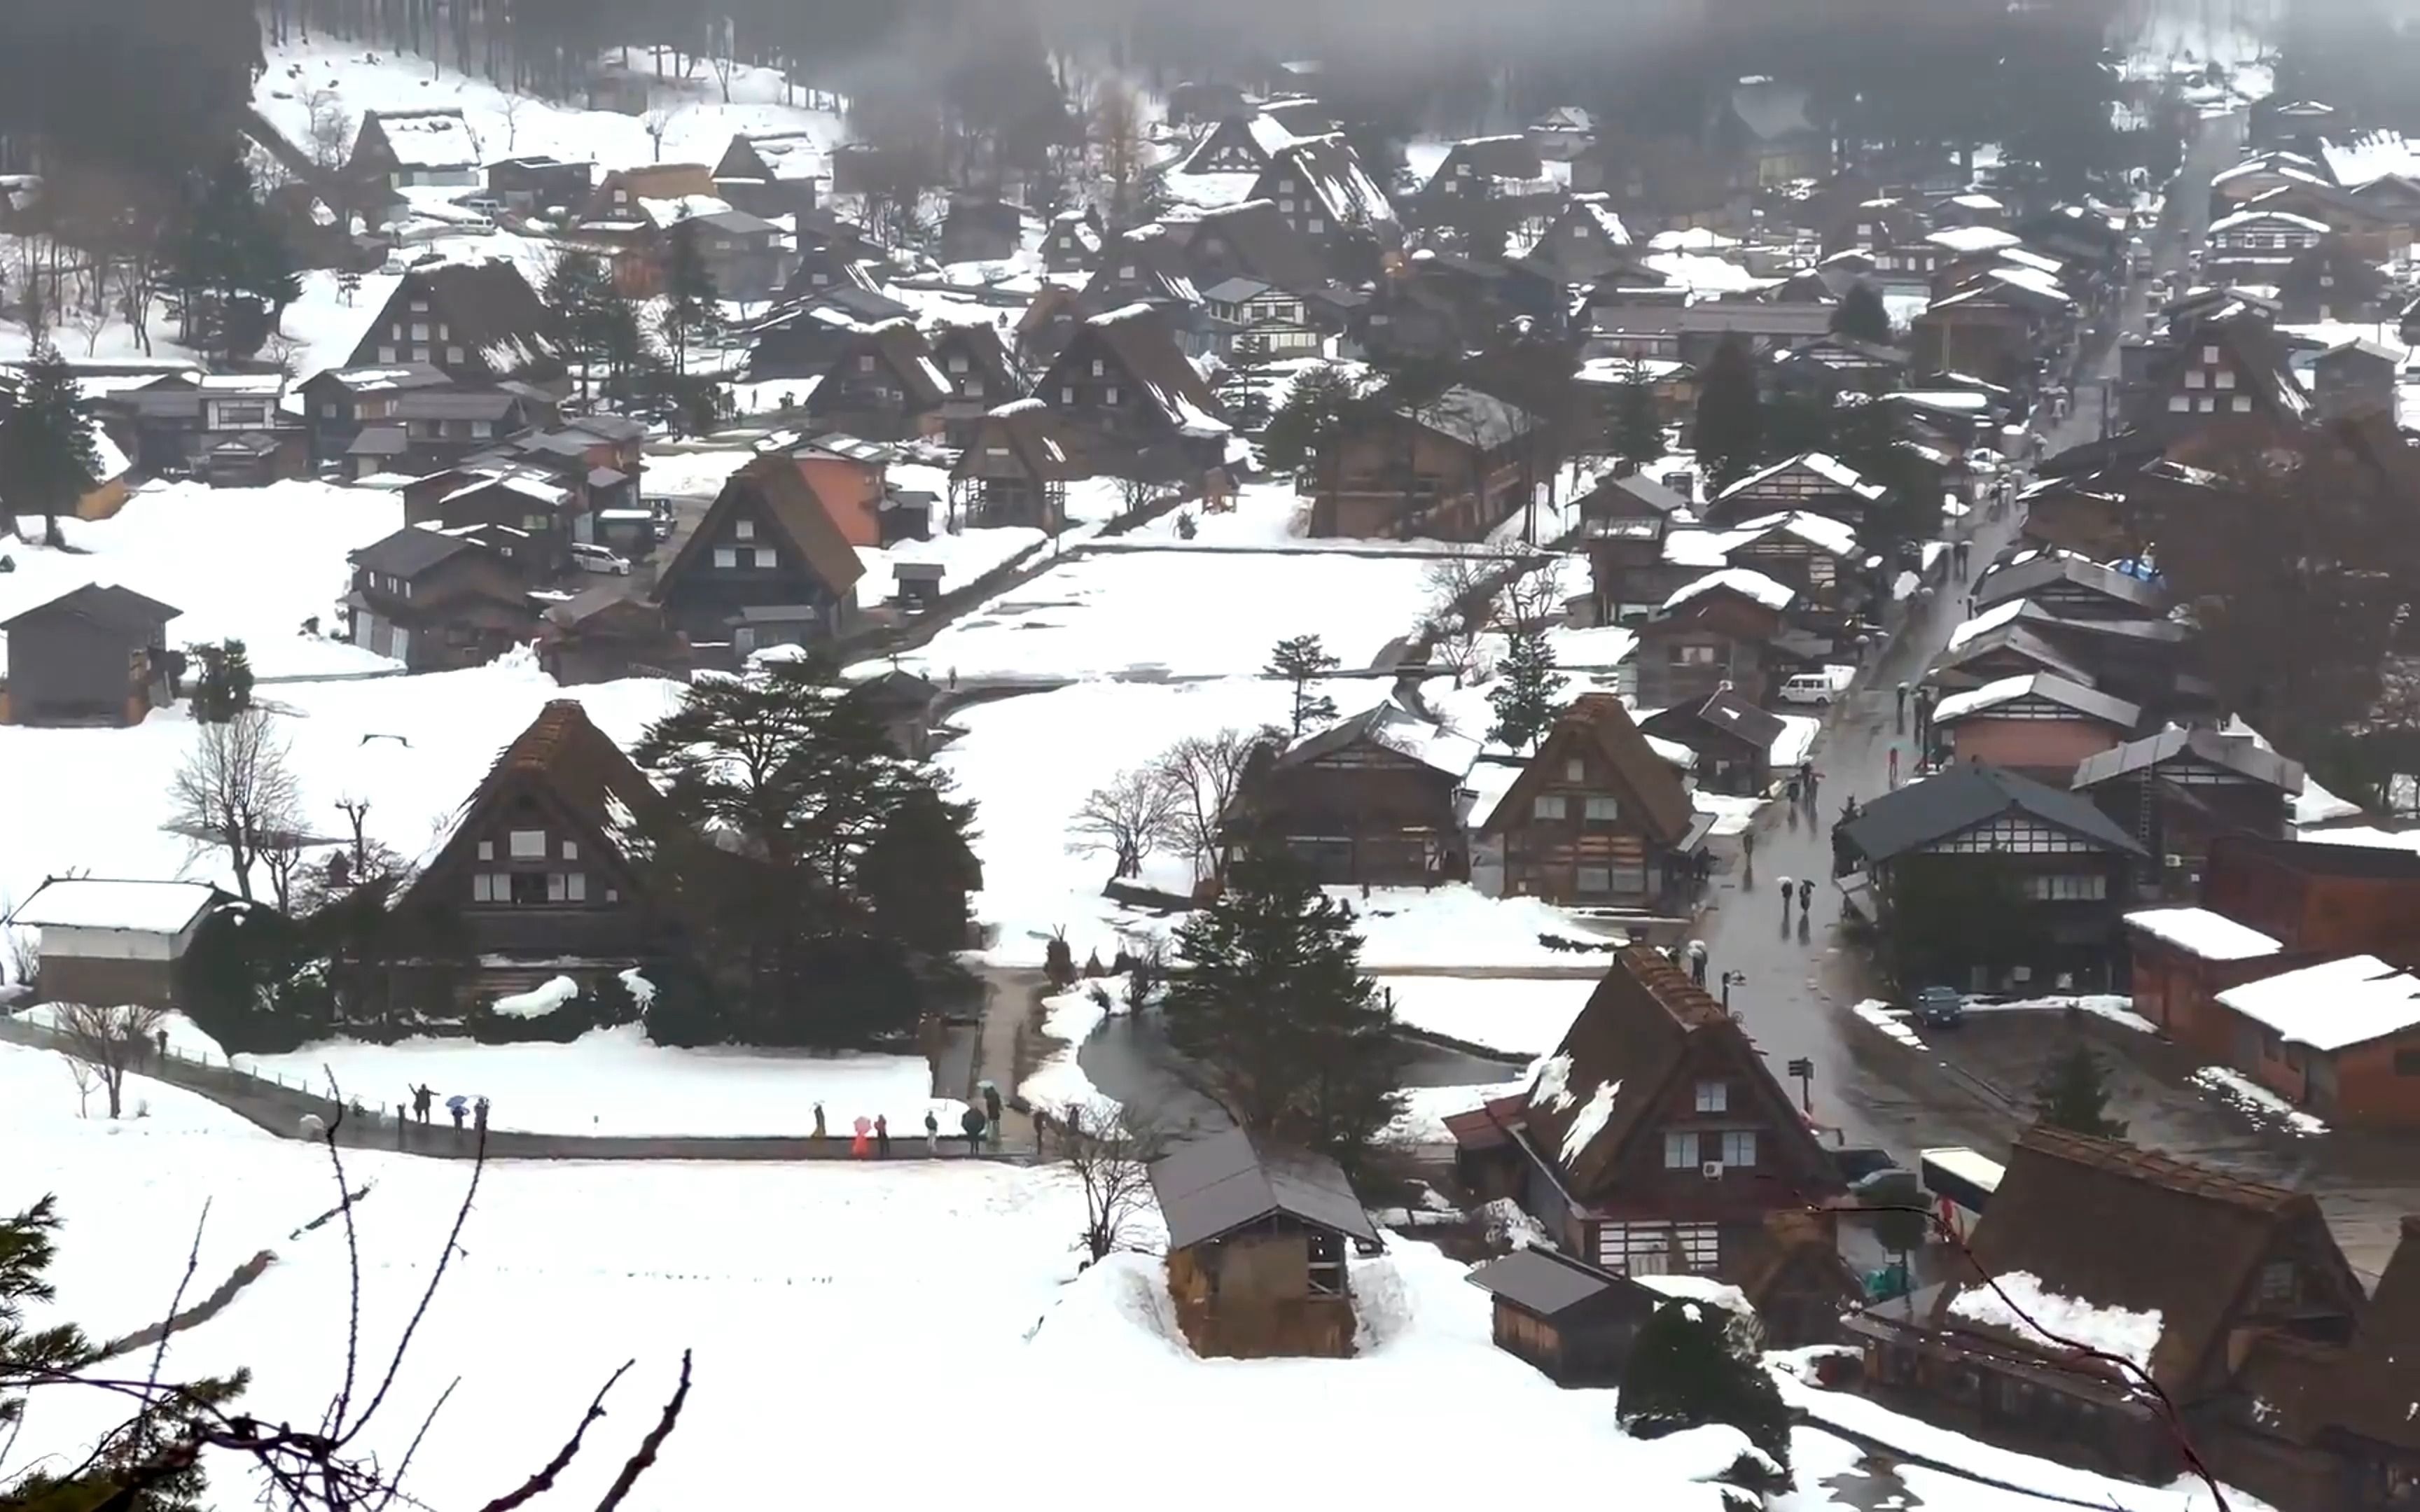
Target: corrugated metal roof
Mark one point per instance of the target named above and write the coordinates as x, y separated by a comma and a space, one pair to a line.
1538, 1282
1215, 1186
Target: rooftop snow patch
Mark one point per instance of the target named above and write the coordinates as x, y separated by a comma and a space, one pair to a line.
538, 1001
2130, 1335
2212, 936
1743, 581
1590, 1120
1968, 239
1552, 1089
2334, 1003
98, 903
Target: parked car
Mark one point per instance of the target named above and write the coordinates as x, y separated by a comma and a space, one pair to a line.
1939, 1007
592, 558
1818, 688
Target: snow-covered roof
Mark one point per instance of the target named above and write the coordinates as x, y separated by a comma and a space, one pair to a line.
1985, 623
2212, 936
1401, 731
427, 138
671, 209
2371, 156
96, 902
1823, 465
1742, 580
1966, 239
2045, 686
2018, 1302
2256, 216
1694, 238
2334, 1003
1820, 531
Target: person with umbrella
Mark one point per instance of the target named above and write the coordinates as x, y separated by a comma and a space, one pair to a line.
970, 1123
479, 1112
1698, 962
863, 1127
1785, 900
1806, 896
457, 1105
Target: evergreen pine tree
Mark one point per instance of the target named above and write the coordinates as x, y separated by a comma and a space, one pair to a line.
1302, 424
1637, 432
222, 688
1730, 431
1288, 1035
1301, 661
1530, 691
2073, 1094
1861, 315
47, 456
578, 289
1696, 1363
918, 869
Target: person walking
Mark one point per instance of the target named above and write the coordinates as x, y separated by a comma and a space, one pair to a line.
932, 1134
1813, 778
1041, 1129
1785, 900
970, 1123
420, 1098
1903, 705
1805, 895
991, 1110
479, 1113
1698, 962
882, 1136
819, 1121
1747, 847
460, 1106
1894, 766
1791, 787
159, 1041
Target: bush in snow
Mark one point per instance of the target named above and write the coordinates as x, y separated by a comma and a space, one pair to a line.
1691, 1365
556, 1012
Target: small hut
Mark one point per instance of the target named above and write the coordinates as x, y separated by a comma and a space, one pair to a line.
1572, 1320
1256, 1243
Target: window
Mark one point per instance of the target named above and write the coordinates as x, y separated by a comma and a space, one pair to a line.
2207, 405
2084, 888
1099, 371
1547, 806
975, 388
1315, 225
1693, 655
2210, 354
1285, 186
484, 888
743, 530
571, 850
1594, 879
420, 331
1602, 811
2277, 1281
765, 558
1658, 1249
1680, 1152
865, 361
1714, 1097
726, 556
2241, 404
957, 362
529, 844
2178, 404
454, 354
327, 412
1285, 206
1110, 395
420, 354
386, 354
2224, 378
487, 850
419, 306
1067, 394
482, 427
535, 523
2196, 378
1575, 770
1739, 1148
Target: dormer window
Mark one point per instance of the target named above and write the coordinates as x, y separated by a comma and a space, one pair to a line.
957, 362
2210, 354
1127, 271
744, 530
1099, 370
865, 361
529, 844
1714, 1097
1575, 770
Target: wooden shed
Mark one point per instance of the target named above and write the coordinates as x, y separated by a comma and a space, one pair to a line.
1256, 1243
1572, 1320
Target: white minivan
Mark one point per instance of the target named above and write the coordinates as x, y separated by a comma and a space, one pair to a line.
590, 558
1818, 688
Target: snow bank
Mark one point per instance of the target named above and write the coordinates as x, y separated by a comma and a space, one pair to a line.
1460, 928
2251, 1098
538, 1001
2068, 1320
1069, 1017
1426, 1108
1520, 1016
1891, 1021
613, 1082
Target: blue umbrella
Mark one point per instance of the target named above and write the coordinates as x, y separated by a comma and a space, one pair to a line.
458, 1103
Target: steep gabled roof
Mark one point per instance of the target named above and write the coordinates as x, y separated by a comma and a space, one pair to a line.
1390, 725
567, 757
1143, 344
2376, 1387
2024, 579
1602, 722
1614, 1068
112, 608
1967, 796
1328, 169
2046, 687
790, 505
1269, 249
2116, 1226
2020, 640
411, 552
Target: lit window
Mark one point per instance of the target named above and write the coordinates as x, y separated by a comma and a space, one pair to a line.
2210, 354
1604, 810
420, 354
386, 354
1714, 1097
1739, 1148
2208, 404
529, 844
1110, 395
420, 331
726, 556
482, 427
1067, 395
2178, 404
1547, 806
2195, 378
454, 354
484, 890
1680, 1152
1099, 371
865, 361
2225, 378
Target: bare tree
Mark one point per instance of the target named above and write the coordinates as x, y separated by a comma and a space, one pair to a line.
235, 793
1110, 1151
109, 1041
1139, 494
1202, 773
1455, 646
86, 1083
330, 132
1530, 601
1120, 154
509, 107
92, 320
1459, 582
656, 123
21, 959
1126, 818
722, 52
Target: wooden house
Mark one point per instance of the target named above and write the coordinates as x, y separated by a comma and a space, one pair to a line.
2354, 376
2222, 361
2059, 868
2331, 281
1623, 520
395, 149
1146, 265
1487, 187
1596, 817
1814, 482
1256, 1247
981, 375
603, 634
1586, 241
437, 601
2315, 897
478, 322
1014, 469
2182, 958
765, 566
2178, 791
1371, 799
1252, 240
1732, 738
1815, 556
1713, 633
539, 185
746, 257
1242, 142
1133, 401
2257, 244
538, 502
1321, 189
1654, 1139
1572, 1320
1451, 468
2041, 725
2177, 1268
413, 420
535, 877
803, 332
107, 941
2072, 588
94, 656
770, 172
2340, 1037
1073, 243
880, 382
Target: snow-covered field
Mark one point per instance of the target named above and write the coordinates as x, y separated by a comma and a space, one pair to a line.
414, 746
1179, 614
613, 1082
253, 564
963, 558
1522, 1016
901, 1292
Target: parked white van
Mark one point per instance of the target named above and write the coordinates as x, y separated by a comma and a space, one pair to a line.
1818, 688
